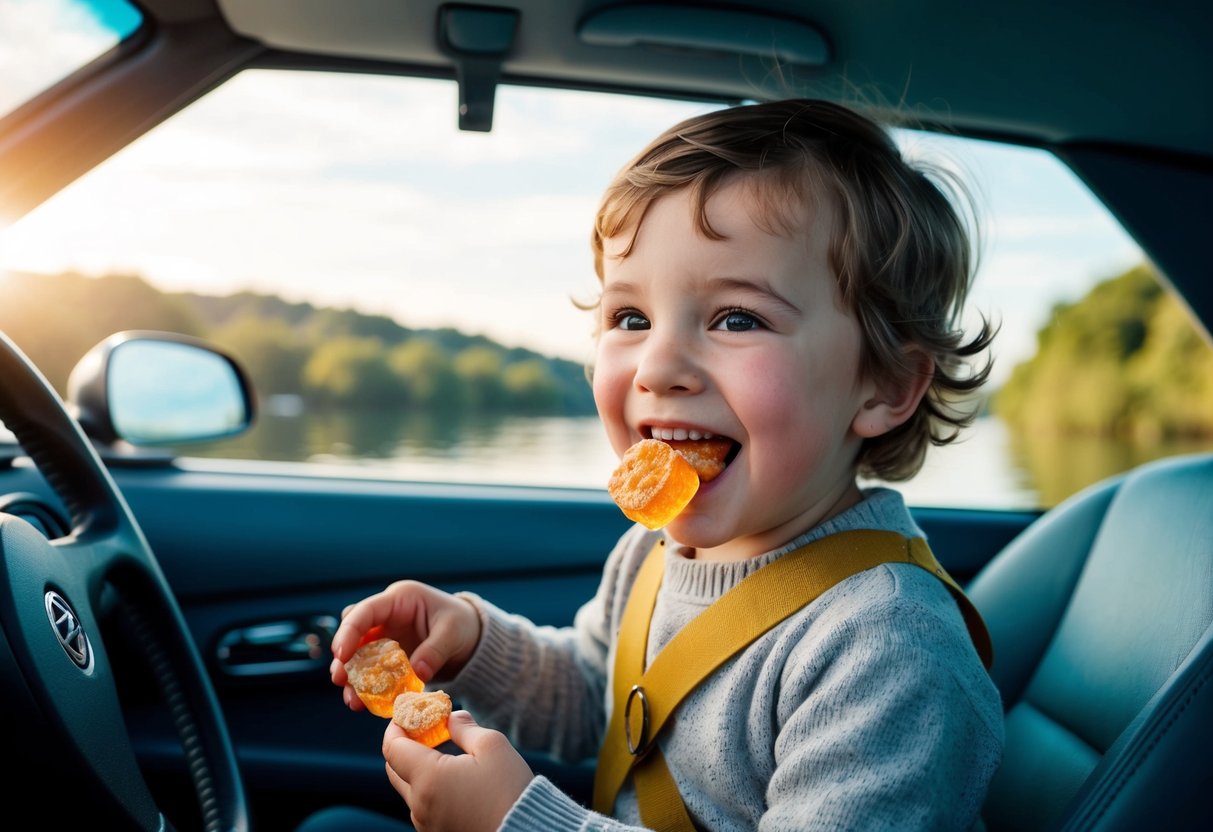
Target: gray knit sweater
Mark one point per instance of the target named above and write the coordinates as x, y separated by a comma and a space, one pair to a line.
868, 709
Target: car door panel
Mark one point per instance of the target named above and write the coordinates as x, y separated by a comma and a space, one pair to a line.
251, 550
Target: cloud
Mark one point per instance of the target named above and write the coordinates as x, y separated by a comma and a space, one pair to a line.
1057, 275
267, 121
1033, 227
44, 41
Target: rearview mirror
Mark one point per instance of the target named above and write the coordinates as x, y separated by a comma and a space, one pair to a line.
157, 388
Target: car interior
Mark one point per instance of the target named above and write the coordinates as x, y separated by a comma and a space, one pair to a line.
177, 582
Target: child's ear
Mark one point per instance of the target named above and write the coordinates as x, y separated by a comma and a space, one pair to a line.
893, 401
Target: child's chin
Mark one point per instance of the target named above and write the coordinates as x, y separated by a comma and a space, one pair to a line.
696, 531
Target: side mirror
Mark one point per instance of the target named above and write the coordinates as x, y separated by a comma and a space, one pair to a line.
159, 388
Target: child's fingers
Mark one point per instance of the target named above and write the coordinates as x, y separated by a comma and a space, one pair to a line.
432, 654
432, 626
351, 699
437, 785
359, 621
392, 734
353, 625
337, 672
454, 632
405, 757
465, 733
485, 745
402, 788
339, 678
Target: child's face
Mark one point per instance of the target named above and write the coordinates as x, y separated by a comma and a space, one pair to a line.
744, 337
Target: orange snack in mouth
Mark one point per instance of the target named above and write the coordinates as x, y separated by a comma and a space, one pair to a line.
707, 456
424, 716
653, 483
379, 671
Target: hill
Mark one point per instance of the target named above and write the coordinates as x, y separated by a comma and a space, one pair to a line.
327, 356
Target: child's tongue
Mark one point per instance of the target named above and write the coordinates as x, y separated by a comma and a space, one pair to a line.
707, 456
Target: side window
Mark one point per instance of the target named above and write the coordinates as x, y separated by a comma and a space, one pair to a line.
405, 295
1096, 367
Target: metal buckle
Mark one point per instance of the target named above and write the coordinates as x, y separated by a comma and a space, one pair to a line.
637, 749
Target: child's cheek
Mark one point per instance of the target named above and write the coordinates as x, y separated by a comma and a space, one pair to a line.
785, 434
764, 397
611, 383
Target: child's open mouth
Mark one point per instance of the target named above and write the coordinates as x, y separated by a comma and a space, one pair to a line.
708, 453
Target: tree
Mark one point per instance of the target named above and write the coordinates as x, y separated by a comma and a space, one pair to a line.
531, 388
327, 355
425, 372
1175, 352
272, 353
353, 371
479, 369
56, 319
1125, 360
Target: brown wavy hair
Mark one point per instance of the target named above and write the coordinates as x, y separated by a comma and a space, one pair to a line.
904, 249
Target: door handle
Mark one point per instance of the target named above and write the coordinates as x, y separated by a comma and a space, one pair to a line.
285, 647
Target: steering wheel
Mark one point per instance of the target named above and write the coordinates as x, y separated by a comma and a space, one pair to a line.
58, 681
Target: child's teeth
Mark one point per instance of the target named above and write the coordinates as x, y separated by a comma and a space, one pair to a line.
680, 434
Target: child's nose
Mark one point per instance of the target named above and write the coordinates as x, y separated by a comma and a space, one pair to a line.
668, 365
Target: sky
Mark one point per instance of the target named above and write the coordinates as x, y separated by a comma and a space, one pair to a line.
362, 193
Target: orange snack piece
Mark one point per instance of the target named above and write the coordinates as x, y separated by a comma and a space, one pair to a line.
424, 716
706, 456
653, 483
370, 635
379, 671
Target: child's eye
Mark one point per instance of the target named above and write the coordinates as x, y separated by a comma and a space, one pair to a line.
629, 319
737, 320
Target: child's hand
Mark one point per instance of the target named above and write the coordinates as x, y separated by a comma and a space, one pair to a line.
438, 630
437, 786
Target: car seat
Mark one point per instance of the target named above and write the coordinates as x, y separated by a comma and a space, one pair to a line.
1100, 616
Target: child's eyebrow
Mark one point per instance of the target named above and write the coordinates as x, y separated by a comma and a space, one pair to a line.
752, 286
619, 287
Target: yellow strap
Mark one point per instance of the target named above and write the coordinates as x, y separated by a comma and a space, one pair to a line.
649, 696
661, 805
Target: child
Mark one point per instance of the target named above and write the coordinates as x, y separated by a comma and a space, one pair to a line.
777, 278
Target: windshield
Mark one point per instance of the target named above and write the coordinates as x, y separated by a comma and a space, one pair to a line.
409, 299
47, 40
406, 296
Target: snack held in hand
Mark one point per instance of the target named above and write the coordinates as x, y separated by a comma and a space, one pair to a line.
424, 716
379, 671
653, 483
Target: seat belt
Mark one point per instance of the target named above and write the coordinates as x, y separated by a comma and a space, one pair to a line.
644, 698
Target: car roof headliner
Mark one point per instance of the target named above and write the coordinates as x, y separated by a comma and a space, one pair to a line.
1121, 91
1131, 74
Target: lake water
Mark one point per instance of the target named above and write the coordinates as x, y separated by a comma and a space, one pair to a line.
987, 468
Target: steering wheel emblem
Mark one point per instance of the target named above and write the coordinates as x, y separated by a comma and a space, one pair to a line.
69, 630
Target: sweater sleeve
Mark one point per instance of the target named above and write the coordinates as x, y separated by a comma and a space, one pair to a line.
543, 806
882, 727
542, 686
